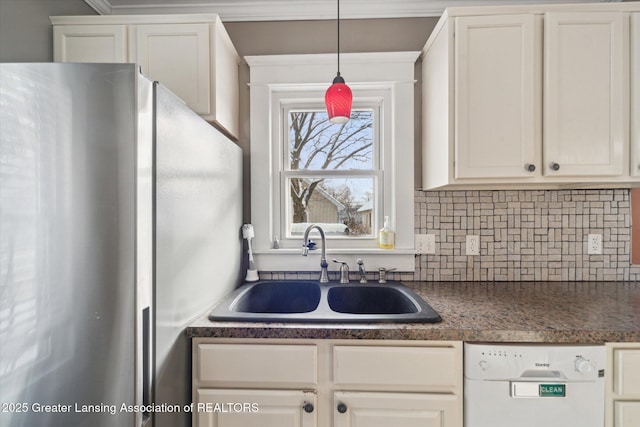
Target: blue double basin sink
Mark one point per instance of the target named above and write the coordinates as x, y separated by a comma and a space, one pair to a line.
309, 301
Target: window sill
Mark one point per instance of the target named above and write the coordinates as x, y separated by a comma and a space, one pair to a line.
292, 260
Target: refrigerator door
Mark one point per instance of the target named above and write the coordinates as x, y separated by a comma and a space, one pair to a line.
198, 248
67, 244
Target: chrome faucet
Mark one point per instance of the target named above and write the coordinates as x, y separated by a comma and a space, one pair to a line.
324, 275
363, 272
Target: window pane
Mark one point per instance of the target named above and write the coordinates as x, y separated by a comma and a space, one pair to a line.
341, 206
316, 144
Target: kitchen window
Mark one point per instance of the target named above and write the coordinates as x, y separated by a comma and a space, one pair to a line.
332, 173
345, 178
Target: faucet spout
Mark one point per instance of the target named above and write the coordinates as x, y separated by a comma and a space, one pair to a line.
324, 275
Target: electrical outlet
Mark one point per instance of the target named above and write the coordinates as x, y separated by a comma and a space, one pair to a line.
473, 245
594, 244
426, 244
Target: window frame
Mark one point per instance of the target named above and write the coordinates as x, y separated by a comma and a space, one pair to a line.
281, 81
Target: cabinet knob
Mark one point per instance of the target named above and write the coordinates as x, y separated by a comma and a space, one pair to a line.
555, 166
531, 167
342, 408
308, 407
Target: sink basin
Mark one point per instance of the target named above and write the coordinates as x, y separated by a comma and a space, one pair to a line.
308, 301
370, 300
279, 297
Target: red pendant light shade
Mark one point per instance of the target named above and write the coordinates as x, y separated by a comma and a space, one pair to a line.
338, 100
338, 97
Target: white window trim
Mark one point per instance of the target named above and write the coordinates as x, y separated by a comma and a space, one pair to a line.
276, 78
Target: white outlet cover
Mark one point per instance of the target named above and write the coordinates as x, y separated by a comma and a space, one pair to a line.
594, 244
425, 244
473, 245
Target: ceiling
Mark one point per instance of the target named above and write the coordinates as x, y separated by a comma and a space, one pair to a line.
278, 10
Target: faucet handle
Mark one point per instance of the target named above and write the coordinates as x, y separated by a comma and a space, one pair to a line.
344, 271
383, 274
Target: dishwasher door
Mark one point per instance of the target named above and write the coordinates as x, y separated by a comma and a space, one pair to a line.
492, 404
534, 386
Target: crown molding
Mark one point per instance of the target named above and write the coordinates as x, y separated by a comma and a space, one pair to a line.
288, 10
103, 7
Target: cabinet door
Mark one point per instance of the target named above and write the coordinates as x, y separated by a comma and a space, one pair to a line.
398, 368
178, 56
622, 396
90, 43
363, 409
626, 372
254, 408
585, 94
627, 414
635, 94
226, 93
497, 96
257, 365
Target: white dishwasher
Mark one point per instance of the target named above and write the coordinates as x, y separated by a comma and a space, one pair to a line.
533, 385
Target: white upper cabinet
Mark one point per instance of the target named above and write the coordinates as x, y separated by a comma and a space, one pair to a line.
497, 95
190, 54
531, 97
178, 56
90, 43
586, 125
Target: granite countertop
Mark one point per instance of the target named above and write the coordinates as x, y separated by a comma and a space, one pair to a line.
552, 312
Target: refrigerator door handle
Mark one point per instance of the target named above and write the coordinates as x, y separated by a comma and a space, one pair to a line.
146, 363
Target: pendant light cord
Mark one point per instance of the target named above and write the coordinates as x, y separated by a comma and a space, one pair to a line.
338, 37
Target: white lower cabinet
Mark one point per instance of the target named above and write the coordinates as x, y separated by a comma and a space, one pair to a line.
627, 414
254, 408
362, 409
340, 383
623, 385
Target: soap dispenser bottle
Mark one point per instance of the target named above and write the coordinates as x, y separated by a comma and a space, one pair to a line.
386, 236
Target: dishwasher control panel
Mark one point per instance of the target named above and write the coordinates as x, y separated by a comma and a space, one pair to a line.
532, 362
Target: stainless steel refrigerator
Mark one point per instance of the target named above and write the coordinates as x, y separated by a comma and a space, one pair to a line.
120, 218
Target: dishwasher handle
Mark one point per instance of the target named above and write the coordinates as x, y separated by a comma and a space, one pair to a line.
538, 389
532, 374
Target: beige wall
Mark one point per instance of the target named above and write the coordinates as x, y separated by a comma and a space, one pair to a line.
299, 37
361, 35
25, 29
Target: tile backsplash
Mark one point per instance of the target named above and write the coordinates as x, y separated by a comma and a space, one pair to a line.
525, 235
